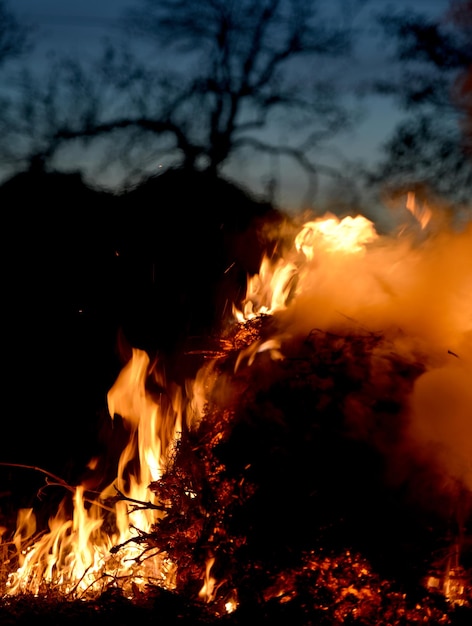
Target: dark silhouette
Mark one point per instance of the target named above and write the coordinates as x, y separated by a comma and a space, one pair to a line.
86, 273
431, 147
188, 241
14, 37
232, 80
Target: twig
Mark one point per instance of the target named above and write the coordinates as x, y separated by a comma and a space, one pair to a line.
140, 504
60, 482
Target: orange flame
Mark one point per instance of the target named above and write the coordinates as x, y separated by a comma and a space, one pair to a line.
75, 553
269, 291
421, 212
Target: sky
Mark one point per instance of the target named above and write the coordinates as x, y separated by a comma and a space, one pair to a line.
80, 28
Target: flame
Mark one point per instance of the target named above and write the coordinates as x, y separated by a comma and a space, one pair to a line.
75, 553
269, 291
338, 274
416, 292
349, 235
421, 212
207, 592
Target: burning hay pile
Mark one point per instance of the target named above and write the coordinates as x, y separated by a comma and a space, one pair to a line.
314, 469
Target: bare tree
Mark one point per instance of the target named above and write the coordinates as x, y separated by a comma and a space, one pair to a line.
243, 58
219, 78
430, 148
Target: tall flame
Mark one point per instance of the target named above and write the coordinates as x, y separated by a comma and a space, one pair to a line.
75, 553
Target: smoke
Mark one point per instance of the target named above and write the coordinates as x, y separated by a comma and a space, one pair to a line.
414, 288
441, 417
418, 290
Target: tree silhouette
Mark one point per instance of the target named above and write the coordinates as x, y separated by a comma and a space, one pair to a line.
431, 147
220, 80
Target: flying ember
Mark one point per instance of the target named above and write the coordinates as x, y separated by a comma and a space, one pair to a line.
338, 403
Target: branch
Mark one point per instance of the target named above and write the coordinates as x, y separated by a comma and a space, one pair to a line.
190, 150
58, 482
297, 154
140, 504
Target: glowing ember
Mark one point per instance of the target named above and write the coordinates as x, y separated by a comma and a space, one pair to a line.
367, 323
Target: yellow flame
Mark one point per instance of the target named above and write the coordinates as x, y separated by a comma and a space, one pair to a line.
207, 592
270, 291
77, 548
349, 235
267, 291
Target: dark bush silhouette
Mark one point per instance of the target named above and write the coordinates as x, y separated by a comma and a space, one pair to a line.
84, 269
188, 241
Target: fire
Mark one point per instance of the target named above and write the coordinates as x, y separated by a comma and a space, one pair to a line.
271, 289
348, 235
421, 212
339, 277
75, 553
